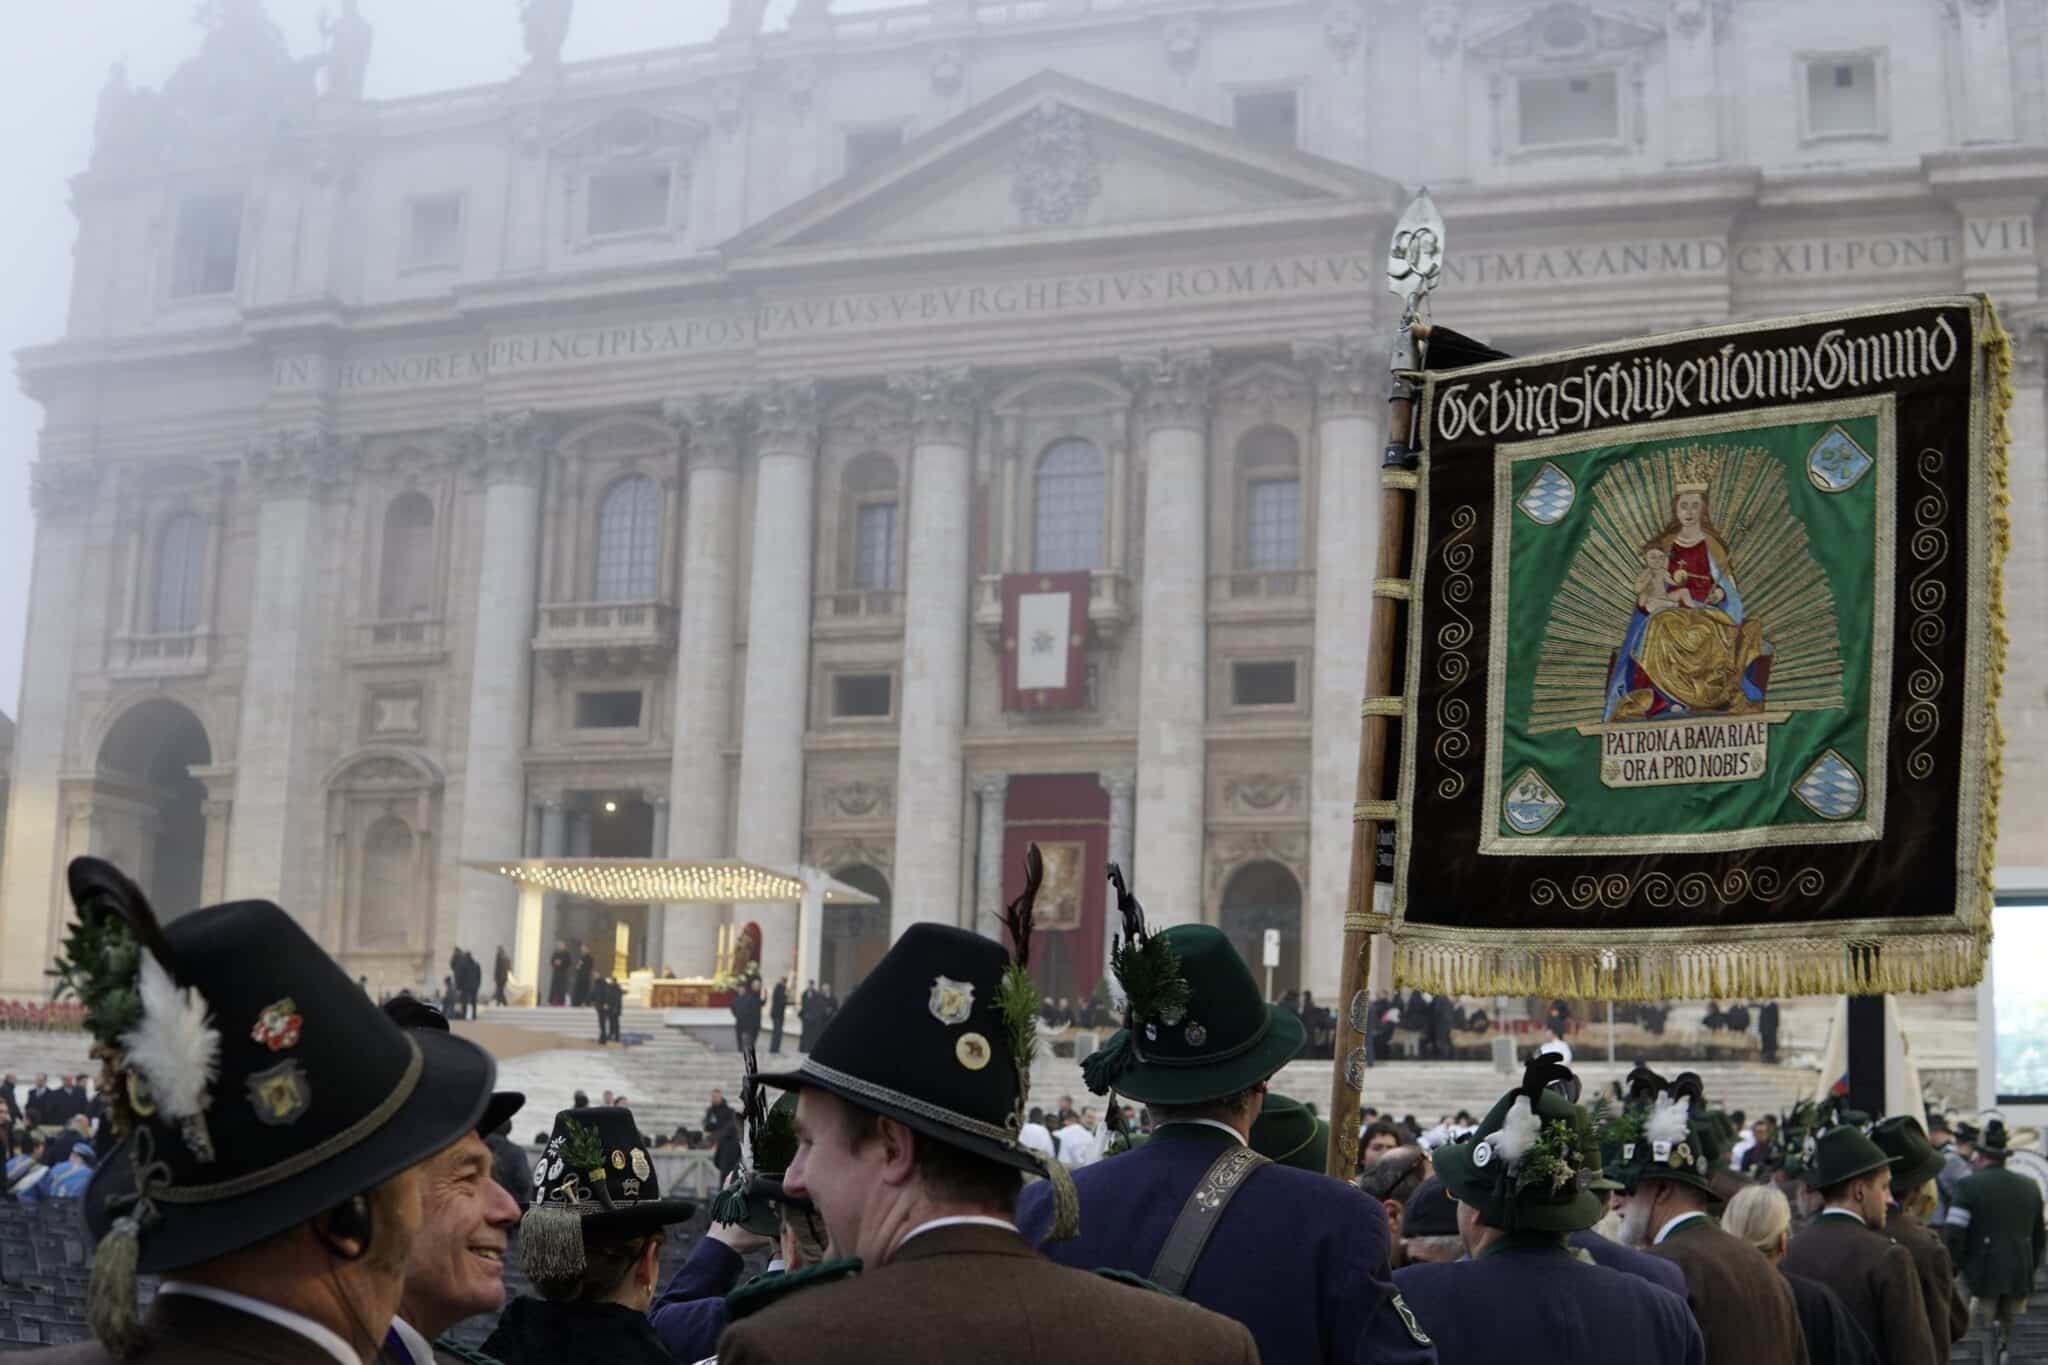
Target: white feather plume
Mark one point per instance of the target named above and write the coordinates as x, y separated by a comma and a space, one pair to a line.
1519, 1131
1667, 1118
175, 1048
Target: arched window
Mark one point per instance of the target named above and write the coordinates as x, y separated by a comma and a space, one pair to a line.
1270, 488
405, 585
386, 907
1067, 508
180, 574
629, 541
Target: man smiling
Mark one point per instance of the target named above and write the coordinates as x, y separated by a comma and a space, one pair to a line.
457, 1266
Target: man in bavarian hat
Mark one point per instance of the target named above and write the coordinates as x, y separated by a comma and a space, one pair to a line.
1664, 1149
457, 1267
272, 1124
591, 1243
908, 1109
1520, 1182
1994, 1228
1915, 1165
1846, 1248
1299, 1258
753, 1211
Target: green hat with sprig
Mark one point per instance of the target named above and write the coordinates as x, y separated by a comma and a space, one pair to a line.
1196, 1025
1529, 1162
940, 1037
1662, 1131
752, 1195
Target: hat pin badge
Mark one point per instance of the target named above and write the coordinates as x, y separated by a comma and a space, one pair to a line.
952, 1001
972, 1051
1482, 1154
1196, 1034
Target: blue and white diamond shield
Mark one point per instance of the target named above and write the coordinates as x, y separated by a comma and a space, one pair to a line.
1549, 496
1831, 788
1530, 805
1836, 462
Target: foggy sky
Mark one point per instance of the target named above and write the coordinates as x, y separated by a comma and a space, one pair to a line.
53, 61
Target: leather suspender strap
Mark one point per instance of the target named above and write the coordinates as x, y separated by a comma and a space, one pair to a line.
1199, 1217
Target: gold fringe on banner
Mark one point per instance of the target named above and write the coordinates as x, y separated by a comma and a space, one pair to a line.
1998, 348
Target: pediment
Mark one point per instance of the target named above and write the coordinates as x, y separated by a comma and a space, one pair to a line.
1563, 32
1058, 155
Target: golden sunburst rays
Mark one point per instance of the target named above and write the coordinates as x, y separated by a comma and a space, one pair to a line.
1780, 583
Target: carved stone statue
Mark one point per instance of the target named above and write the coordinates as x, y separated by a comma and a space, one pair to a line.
348, 52
743, 18
546, 24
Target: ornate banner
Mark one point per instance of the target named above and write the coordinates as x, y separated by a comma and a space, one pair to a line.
1703, 663
1045, 629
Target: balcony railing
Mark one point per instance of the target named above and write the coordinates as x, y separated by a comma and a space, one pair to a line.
859, 603
1262, 585
606, 635
166, 654
411, 637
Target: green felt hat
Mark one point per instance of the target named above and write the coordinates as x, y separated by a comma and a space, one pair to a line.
1843, 1153
1914, 1160
1663, 1132
1196, 1026
1288, 1132
1528, 1164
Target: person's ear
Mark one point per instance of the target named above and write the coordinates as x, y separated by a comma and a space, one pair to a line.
899, 1152
1393, 1211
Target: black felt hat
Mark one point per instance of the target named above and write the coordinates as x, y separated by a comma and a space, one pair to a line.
594, 1182
249, 1100
410, 1012
1993, 1142
1914, 1160
1430, 1211
922, 1040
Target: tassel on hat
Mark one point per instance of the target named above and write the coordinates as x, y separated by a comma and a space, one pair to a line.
551, 1243
1066, 1200
110, 1297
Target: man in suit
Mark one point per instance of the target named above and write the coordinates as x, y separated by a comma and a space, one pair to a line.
1520, 1195
558, 973
1767, 1029
1300, 1259
279, 1190
457, 1267
1666, 1152
585, 965
908, 1106
746, 1015
778, 1006
1846, 1248
501, 975
1915, 1164
1994, 1228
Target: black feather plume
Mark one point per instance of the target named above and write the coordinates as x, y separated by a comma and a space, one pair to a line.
1545, 1071
1017, 915
1644, 1085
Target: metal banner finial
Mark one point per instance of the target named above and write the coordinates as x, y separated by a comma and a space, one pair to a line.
1415, 258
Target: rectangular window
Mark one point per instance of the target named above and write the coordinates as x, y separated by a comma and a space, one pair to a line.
607, 710
874, 553
861, 696
207, 246
1841, 97
1558, 111
1273, 524
433, 234
627, 201
866, 146
1265, 683
1269, 116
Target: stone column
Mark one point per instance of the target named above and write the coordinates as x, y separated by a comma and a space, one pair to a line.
1122, 786
699, 804
30, 884
1350, 377
2023, 843
505, 456
289, 471
776, 693
993, 790
933, 705
1173, 419
657, 915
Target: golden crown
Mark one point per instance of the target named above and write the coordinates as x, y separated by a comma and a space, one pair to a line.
1695, 467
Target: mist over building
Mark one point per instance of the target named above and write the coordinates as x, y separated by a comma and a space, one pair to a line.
883, 441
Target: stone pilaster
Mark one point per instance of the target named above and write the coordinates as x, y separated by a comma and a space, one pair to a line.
992, 791
657, 915
699, 805
1121, 785
505, 454
1173, 416
777, 686
1350, 377
933, 705
63, 495
2023, 843
289, 471
1984, 62
1693, 118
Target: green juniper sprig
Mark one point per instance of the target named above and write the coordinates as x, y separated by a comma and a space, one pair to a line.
581, 1148
99, 968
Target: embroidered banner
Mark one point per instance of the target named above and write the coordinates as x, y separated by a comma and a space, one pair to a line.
1045, 631
1703, 663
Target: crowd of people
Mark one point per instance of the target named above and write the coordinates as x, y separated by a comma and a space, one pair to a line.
314, 1177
